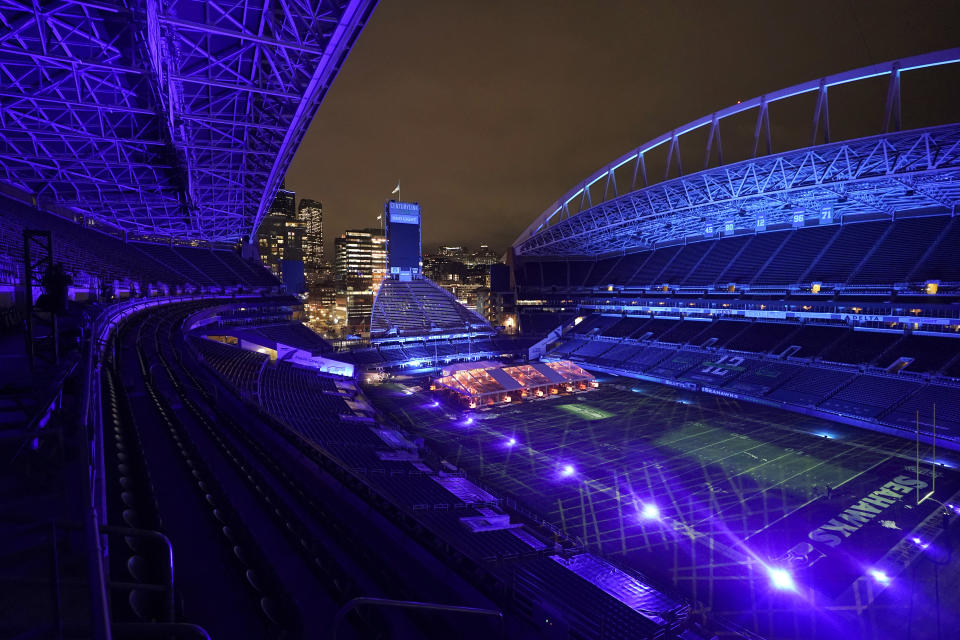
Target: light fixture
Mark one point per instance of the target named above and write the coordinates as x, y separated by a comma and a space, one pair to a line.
880, 576
781, 579
651, 511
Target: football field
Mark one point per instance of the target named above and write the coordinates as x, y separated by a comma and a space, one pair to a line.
707, 493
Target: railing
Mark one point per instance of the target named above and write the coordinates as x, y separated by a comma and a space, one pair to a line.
407, 604
809, 363
169, 596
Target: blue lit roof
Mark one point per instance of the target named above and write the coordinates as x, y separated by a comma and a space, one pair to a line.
174, 118
882, 174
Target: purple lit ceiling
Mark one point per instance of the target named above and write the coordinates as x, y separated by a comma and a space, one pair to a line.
172, 118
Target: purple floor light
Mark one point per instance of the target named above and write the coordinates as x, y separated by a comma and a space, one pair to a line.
781, 579
880, 576
651, 511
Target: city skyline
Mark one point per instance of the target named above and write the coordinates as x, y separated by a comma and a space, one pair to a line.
329, 251
485, 138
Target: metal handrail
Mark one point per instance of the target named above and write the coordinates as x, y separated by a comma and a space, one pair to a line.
411, 604
158, 630
153, 535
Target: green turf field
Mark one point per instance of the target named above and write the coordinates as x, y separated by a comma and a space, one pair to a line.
584, 411
726, 475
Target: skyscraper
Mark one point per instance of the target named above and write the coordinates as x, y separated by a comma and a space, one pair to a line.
285, 202
310, 217
360, 268
281, 236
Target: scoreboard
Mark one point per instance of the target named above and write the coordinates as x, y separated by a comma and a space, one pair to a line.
402, 221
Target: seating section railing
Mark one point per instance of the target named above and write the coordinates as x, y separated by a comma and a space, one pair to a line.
831, 368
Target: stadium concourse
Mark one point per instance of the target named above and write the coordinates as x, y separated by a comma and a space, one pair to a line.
771, 450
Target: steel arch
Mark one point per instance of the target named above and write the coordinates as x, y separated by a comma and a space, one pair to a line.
594, 217
164, 118
877, 175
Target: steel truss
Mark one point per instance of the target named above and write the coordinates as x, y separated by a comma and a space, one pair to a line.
171, 118
882, 174
892, 171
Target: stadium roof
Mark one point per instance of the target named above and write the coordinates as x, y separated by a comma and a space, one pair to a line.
174, 118
882, 174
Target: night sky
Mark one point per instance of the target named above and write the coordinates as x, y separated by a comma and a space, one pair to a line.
488, 111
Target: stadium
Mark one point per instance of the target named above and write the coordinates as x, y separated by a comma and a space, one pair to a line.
732, 409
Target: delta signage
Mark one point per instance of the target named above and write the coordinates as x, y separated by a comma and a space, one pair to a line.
831, 542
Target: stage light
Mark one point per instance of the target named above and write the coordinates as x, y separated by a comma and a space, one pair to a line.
880, 576
435, 404
469, 420
511, 442
920, 543
567, 470
651, 512
781, 579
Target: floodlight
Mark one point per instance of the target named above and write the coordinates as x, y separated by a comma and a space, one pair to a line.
880, 576
781, 579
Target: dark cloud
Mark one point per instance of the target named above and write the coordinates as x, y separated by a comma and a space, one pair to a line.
488, 111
